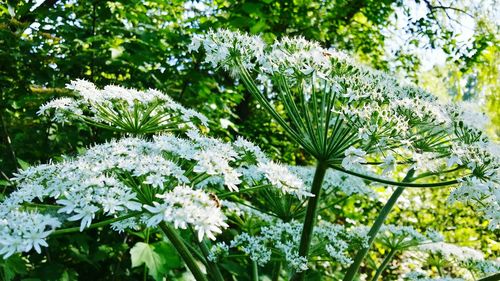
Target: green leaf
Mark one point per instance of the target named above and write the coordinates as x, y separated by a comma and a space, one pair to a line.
143, 253
258, 27
4, 183
23, 164
168, 254
13, 266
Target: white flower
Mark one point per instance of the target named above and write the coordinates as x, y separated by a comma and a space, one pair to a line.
184, 206
452, 160
195, 44
389, 164
218, 250
451, 251
156, 180
353, 157
284, 239
21, 231
85, 214
425, 161
122, 109
282, 178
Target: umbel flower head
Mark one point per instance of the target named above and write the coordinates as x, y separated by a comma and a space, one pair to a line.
347, 115
135, 182
333, 242
123, 110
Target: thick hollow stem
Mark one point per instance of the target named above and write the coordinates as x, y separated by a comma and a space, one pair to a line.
255, 271
276, 271
384, 264
353, 269
183, 251
312, 206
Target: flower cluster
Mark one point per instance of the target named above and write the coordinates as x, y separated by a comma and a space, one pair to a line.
451, 251
400, 237
463, 260
484, 194
422, 276
121, 109
282, 238
350, 115
135, 181
277, 175
184, 206
23, 231
219, 51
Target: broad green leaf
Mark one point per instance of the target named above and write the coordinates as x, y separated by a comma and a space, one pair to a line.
169, 255
143, 253
13, 266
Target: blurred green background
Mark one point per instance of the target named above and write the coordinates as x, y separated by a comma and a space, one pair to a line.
448, 47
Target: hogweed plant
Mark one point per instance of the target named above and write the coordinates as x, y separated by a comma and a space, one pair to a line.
161, 181
222, 204
165, 174
361, 122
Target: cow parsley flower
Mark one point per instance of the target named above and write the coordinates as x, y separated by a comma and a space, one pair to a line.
165, 178
484, 194
400, 237
422, 276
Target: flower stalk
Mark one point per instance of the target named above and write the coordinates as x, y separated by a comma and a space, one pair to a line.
183, 251
353, 269
395, 183
384, 264
95, 225
255, 271
310, 218
215, 272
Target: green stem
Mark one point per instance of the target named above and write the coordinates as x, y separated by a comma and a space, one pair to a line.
310, 218
95, 225
183, 251
145, 273
213, 267
334, 203
395, 183
250, 189
440, 272
255, 271
384, 264
39, 205
472, 274
276, 271
353, 269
